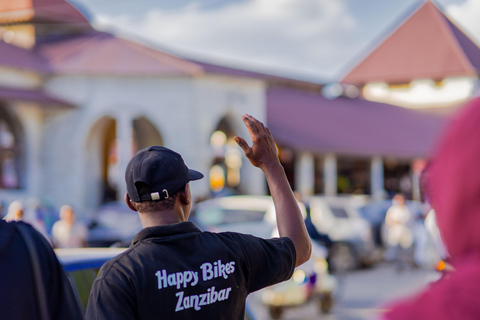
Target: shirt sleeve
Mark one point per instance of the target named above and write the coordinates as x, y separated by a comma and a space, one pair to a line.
267, 261
109, 300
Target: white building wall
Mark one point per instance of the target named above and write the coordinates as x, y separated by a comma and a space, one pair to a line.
184, 110
165, 102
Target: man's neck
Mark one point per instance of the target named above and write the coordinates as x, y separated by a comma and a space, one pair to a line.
161, 218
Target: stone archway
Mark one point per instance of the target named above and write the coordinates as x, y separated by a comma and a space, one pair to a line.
12, 162
100, 137
146, 134
224, 175
104, 174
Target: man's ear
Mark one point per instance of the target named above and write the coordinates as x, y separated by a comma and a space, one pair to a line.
129, 202
184, 195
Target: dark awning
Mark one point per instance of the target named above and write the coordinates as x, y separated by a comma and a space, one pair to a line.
31, 95
307, 121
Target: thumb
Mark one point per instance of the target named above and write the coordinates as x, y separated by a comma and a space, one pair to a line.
243, 144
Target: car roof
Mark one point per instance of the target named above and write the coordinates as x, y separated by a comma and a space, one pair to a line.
249, 202
74, 259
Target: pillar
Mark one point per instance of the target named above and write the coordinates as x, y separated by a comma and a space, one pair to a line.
377, 178
124, 149
330, 174
305, 174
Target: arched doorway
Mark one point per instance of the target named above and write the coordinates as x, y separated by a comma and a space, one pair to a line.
104, 174
146, 134
11, 151
224, 176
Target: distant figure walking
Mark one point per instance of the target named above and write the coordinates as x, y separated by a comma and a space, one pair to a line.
67, 232
15, 212
399, 234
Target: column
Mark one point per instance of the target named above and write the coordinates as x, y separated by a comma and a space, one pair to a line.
124, 149
330, 174
377, 178
305, 174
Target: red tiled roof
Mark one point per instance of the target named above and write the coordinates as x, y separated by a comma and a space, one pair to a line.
307, 121
15, 11
31, 95
98, 53
237, 72
19, 58
426, 45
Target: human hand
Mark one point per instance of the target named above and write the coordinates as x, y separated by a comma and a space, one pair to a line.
263, 152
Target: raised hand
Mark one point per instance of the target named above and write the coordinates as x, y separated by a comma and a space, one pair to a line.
263, 154
263, 151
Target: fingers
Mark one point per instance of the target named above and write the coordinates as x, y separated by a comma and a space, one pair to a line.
252, 128
253, 125
243, 144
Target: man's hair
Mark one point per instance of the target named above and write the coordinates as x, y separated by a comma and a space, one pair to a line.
153, 205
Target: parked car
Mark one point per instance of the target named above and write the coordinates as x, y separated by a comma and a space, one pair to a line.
244, 214
352, 243
82, 266
113, 224
255, 215
310, 282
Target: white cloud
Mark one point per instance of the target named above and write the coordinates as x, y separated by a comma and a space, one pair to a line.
310, 36
466, 15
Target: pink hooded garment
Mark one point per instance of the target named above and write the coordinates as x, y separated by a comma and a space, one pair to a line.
453, 184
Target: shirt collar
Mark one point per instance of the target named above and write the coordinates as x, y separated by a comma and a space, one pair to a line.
166, 230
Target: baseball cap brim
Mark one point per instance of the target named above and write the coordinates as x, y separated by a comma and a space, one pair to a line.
195, 175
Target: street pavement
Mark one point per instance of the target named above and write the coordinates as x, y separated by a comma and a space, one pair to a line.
363, 294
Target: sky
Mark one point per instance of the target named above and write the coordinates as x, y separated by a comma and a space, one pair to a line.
315, 40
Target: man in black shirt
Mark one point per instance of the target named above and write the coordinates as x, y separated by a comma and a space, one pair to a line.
172, 270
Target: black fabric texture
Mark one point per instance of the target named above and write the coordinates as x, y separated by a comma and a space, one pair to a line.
17, 294
147, 280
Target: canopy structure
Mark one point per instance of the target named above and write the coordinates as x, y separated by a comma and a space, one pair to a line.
427, 45
307, 121
15, 57
31, 95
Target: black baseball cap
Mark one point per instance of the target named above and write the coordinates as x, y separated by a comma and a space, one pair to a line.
161, 169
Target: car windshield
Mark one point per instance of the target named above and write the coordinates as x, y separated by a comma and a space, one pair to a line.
340, 213
217, 216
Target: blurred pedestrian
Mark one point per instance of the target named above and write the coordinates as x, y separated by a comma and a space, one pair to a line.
175, 271
454, 188
33, 284
15, 212
399, 234
68, 232
421, 240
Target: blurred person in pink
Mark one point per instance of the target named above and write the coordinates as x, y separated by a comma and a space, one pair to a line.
67, 232
453, 184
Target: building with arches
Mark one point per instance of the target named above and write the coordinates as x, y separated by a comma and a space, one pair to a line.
76, 104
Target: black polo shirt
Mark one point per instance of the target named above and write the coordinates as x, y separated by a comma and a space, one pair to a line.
178, 272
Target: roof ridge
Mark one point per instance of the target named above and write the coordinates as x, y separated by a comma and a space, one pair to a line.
392, 28
411, 38
456, 46
153, 53
73, 50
